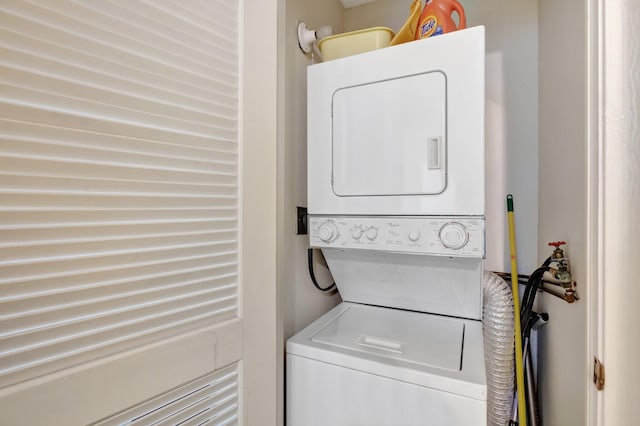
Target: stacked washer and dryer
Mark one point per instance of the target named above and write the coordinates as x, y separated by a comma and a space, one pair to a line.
396, 200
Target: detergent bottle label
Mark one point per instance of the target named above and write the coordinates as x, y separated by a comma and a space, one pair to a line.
437, 18
429, 27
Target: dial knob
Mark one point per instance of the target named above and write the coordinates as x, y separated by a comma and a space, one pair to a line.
357, 232
454, 235
372, 233
414, 235
328, 232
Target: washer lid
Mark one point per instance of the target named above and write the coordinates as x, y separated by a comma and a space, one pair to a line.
397, 337
422, 349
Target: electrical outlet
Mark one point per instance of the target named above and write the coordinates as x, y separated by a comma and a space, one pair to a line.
302, 221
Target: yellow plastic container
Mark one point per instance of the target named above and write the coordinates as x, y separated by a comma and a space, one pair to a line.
352, 43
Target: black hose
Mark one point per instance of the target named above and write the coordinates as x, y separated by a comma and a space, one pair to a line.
531, 279
313, 276
527, 316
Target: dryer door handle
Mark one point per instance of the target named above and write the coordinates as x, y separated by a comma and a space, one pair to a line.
434, 155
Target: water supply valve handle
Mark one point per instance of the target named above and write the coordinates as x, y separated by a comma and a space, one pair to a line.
557, 244
557, 252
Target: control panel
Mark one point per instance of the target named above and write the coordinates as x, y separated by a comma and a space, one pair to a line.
440, 236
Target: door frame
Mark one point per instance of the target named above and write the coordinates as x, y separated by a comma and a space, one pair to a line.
262, 373
612, 156
594, 188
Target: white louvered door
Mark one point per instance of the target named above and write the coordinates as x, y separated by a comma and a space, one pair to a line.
118, 205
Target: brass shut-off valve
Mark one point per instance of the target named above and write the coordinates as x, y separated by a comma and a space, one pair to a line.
560, 275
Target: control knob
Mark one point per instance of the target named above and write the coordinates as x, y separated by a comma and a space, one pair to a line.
372, 233
414, 235
454, 235
328, 232
357, 232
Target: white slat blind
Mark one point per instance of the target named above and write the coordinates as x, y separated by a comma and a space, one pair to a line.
212, 399
118, 176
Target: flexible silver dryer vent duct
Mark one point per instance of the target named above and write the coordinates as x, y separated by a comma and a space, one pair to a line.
498, 330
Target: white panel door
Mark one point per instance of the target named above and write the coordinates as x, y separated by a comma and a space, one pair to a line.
118, 205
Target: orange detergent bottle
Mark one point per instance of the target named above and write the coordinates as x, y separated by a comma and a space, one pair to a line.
436, 18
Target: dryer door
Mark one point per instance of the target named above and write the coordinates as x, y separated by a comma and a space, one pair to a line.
383, 144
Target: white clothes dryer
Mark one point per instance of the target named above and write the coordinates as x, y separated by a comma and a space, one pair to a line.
400, 130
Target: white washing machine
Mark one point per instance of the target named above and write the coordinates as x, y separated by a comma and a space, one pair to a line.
396, 203
374, 366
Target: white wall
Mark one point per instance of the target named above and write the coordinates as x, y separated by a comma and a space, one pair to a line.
380, 13
511, 115
301, 302
562, 206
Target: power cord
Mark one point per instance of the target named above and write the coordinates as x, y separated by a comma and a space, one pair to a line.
313, 275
